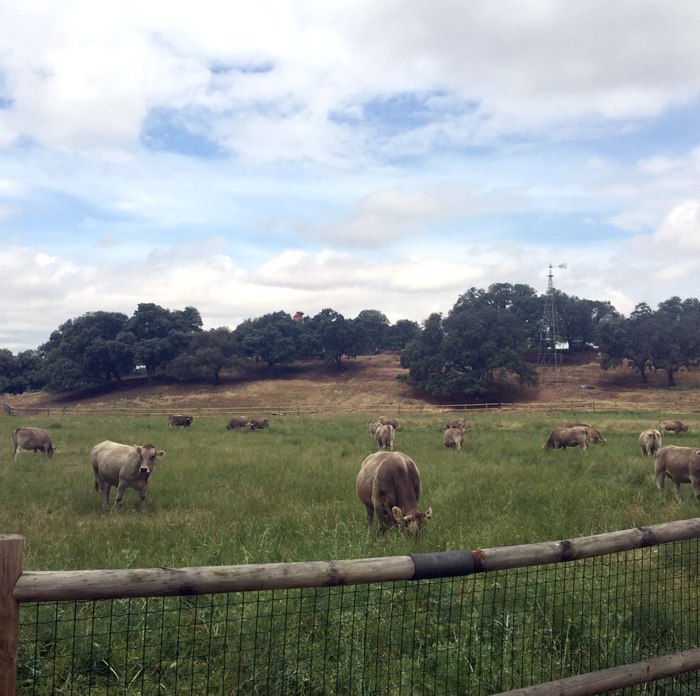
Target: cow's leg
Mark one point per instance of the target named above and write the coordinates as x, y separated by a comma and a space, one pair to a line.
120, 493
660, 479
142, 499
105, 488
18, 451
696, 486
677, 489
370, 514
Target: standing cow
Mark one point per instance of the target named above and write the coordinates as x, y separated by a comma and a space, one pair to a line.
672, 426
385, 436
36, 439
388, 484
561, 438
237, 422
650, 442
453, 438
681, 465
125, 466
180, 420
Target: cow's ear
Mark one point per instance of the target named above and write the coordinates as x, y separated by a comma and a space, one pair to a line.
138, 448
160, 454
397, 512
429, 513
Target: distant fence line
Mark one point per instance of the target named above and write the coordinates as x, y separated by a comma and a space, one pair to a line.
665, 407
594, 613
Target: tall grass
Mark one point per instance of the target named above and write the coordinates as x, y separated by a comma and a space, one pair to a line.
230, 497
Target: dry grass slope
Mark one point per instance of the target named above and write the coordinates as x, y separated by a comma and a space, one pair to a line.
369, 382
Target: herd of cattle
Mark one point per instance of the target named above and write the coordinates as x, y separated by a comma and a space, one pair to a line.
388, 483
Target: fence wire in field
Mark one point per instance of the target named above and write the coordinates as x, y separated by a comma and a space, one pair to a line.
477, 634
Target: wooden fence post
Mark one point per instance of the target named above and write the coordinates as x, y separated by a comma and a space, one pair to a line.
11, 546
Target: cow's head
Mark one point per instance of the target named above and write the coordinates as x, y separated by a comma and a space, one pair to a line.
414, 522
684, 428
148, 455
49, 451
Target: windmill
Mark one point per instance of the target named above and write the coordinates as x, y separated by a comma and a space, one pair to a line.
549, 355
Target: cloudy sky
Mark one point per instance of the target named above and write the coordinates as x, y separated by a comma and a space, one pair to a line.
249, 157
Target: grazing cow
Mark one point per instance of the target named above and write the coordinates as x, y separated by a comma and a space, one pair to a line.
595, 437
125, 466
180, 420
561, 438
650, 442
454, 438
681, 465
36, 439
389, 484
672, 426
460, 423
259, 424
385, 436
237, 422
385, 420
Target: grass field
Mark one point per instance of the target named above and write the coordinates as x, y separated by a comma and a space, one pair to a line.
231, 497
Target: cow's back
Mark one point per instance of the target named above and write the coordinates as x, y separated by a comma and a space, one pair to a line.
112, 460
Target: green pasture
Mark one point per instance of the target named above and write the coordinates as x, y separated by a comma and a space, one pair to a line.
231, 497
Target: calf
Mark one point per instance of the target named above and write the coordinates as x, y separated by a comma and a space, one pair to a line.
36, 439
259, 424
388, 484
125, 466
650, 442
237, 422
180, 420
453, 438
681, 465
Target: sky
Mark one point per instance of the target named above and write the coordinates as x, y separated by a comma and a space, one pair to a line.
251, 157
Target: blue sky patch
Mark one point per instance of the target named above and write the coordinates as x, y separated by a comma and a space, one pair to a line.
167, 130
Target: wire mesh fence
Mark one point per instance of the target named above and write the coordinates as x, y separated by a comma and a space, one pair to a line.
477, 634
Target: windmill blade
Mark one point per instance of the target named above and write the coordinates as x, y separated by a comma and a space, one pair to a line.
562, 265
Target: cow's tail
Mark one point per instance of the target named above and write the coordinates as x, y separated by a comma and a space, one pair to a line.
97, 488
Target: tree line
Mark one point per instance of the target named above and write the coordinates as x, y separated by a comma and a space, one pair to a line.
487, 336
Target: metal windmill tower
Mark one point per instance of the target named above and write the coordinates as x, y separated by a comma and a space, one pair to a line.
549, 355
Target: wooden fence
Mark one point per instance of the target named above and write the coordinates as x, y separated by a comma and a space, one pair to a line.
397, 409
18, 587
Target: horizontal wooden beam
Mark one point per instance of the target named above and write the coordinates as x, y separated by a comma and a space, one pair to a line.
38, 586
615, 678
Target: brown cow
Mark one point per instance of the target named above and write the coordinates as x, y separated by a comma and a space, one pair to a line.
237, 422
650, 442
389, 484
385, 436
454, 438
672, 426
36, 439
385, 420
561, 438
681, 465
180, 420
259, 424
460, 423
125, 466
373, 427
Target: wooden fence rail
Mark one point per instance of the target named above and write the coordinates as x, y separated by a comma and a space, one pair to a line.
18, 587
396, 409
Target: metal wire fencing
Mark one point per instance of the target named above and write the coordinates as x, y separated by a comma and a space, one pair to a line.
476, 634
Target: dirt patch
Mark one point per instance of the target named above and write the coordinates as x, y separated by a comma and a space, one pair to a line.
369, 382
